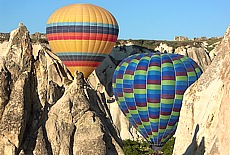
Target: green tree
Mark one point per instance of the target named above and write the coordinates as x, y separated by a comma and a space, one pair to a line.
142, 147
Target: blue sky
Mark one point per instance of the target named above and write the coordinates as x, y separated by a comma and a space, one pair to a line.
146, 19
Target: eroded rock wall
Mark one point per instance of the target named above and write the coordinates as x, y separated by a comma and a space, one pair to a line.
43, 109
204, 121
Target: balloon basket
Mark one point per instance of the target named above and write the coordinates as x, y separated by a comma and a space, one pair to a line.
156, 150
157, 153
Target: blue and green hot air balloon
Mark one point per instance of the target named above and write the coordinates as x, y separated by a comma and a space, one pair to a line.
149, 89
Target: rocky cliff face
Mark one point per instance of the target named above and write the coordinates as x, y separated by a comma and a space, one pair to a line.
199, 54
101, 79
204, 122
126, 131
43, 109
4, 37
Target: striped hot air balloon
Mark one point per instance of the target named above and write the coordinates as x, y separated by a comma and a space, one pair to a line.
82, 35
149, 89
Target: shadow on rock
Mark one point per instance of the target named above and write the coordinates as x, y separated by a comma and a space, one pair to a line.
98, 104
194, 148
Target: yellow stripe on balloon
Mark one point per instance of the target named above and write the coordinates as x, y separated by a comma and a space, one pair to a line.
82, 35
82, 13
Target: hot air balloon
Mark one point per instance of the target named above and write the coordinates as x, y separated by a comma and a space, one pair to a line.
82, 35
149, 89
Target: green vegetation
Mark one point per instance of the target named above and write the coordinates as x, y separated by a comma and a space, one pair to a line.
212, 42
41, 40
4, 37
149, 44
168, 147
142, 147
136, 147
152, 44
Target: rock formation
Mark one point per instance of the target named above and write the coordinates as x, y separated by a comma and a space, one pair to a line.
164, 48
105, 70
43, 109
198, 54
38, 37
204, 122
181, 38
101, 81
126, 131
203, 38
213, 52
4, 37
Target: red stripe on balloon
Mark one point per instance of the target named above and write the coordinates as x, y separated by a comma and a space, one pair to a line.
168, 78
190, 69
181, 74
168, 96
171, 123
154, 116
119, 94
81, 63
139, 86
119, 76
132, 107
166, 61
126, 111
149, 133
158, 82
176, 109
180, 92
141, 104
145, 119
128, 90
154, 100
155, 130
131, 72
162, 127
152, 63
82, 36
142, 68
138, 122
165, 113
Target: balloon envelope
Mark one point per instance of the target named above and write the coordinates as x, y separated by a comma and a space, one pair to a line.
82, 35
149, 89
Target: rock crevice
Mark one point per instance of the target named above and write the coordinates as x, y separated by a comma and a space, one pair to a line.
43, 109
204, 130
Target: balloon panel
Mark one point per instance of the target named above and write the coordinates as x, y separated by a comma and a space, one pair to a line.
82, 33
149, 89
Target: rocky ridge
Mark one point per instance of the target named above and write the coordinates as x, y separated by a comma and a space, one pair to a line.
204, 121
43, 109
198, 54
56, 108
102, 83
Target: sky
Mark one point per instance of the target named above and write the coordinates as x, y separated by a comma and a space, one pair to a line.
146, 19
